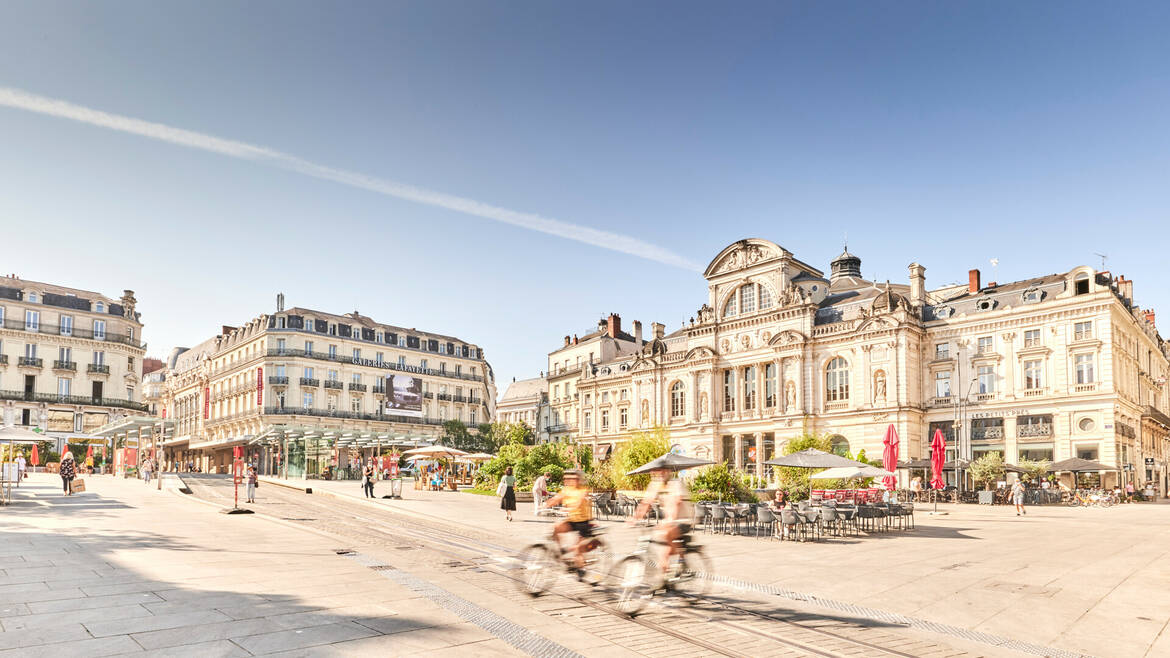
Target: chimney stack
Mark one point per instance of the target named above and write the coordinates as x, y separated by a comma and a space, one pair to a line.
613, 325
279, 302
658, 329
973, 281
917, 285
1150, 317
638, 331
566, 341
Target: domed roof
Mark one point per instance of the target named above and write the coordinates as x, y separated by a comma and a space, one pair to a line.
888, 300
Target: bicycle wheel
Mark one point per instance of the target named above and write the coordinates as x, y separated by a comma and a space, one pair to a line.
629, 578
691, 574
538, 569
597, 563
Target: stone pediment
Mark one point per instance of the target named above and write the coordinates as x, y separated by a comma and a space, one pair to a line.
701, 352
744, 254
787, 337
642, 364
876, 324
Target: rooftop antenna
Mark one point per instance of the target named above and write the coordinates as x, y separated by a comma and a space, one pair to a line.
1104, 257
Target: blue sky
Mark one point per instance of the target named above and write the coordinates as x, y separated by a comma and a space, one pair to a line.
946, 133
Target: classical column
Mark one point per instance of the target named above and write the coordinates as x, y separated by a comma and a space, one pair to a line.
695, 396
761, 392
866, 376
759, 454
778, 364
1009, 365
738, 438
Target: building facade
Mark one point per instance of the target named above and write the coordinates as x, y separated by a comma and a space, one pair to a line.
297, 386
1058, 366
526, 401
70, 359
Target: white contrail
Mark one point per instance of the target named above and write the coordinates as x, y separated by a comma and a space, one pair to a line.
23, 100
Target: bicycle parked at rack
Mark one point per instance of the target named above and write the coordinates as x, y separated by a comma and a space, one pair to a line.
542, 563
1090, 498
637, 577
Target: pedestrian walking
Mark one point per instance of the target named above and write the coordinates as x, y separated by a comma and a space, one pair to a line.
1018, 497
21, 466
253, 480
368, 475
68, 472
915, 488
507, 492
539, 493
146, 469
1129, 492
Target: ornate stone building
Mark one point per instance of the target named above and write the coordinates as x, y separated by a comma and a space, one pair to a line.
526, 401
307, 390
1058, 366
70, 359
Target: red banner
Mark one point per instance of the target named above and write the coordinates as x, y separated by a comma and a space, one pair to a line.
259, 387
206, 403
164, 413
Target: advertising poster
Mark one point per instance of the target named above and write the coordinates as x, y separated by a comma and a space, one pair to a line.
404, 395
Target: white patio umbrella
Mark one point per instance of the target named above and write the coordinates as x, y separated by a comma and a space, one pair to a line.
435, 452
850, 472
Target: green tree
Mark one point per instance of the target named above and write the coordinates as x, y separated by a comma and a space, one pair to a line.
988, 469
1034, 470
720, 482
641, 448
795, 481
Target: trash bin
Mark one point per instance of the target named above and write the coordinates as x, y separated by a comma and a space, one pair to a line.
396, 488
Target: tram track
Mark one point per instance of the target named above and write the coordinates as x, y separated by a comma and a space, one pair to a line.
717, 627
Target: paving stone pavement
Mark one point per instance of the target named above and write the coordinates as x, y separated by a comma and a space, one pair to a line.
123, 569
1094, 581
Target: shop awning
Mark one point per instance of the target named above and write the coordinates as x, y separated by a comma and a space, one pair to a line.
601, 451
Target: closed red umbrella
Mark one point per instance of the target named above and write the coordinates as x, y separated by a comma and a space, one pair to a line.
36, 456
89, 453
938, 456
890, 456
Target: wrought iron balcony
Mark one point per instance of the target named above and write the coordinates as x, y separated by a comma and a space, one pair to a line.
354, 386
428, 395
277, 380
74, 332
445, 396
97, 369
65, 365
459, 398
337, 413
30, 362
73, 399
309, 381
986, 433
3, 359
341, 358
1033, 430
379, 390
333, 383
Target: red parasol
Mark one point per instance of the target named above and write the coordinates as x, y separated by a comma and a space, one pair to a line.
36, 456
938, 456
89, 453
890, 457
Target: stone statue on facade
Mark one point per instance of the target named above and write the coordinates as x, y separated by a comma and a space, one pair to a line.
879, 387
790, 397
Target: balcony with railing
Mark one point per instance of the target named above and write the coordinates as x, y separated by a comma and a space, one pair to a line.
1033, 430
30, 362
70, 366
942, 401
3, 359
73, 332
560, 427
340, 358
353, 415
379, 389
277, 380
445, 396
459, 398
309, 381
986, 433
1033, 392
354, 386
73, 399
334, 384
428, 395
1085, 388
984, 397
97, 369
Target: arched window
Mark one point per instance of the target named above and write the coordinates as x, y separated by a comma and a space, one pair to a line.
678, 400
747, 298
1082, 284
729, 307
765, 297
840, 445
837, 380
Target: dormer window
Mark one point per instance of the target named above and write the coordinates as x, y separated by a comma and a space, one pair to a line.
1032, 296
1081, 285
32, 298
985, 304
308, 324
101, 307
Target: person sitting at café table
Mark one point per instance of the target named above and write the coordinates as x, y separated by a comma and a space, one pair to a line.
780, 500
